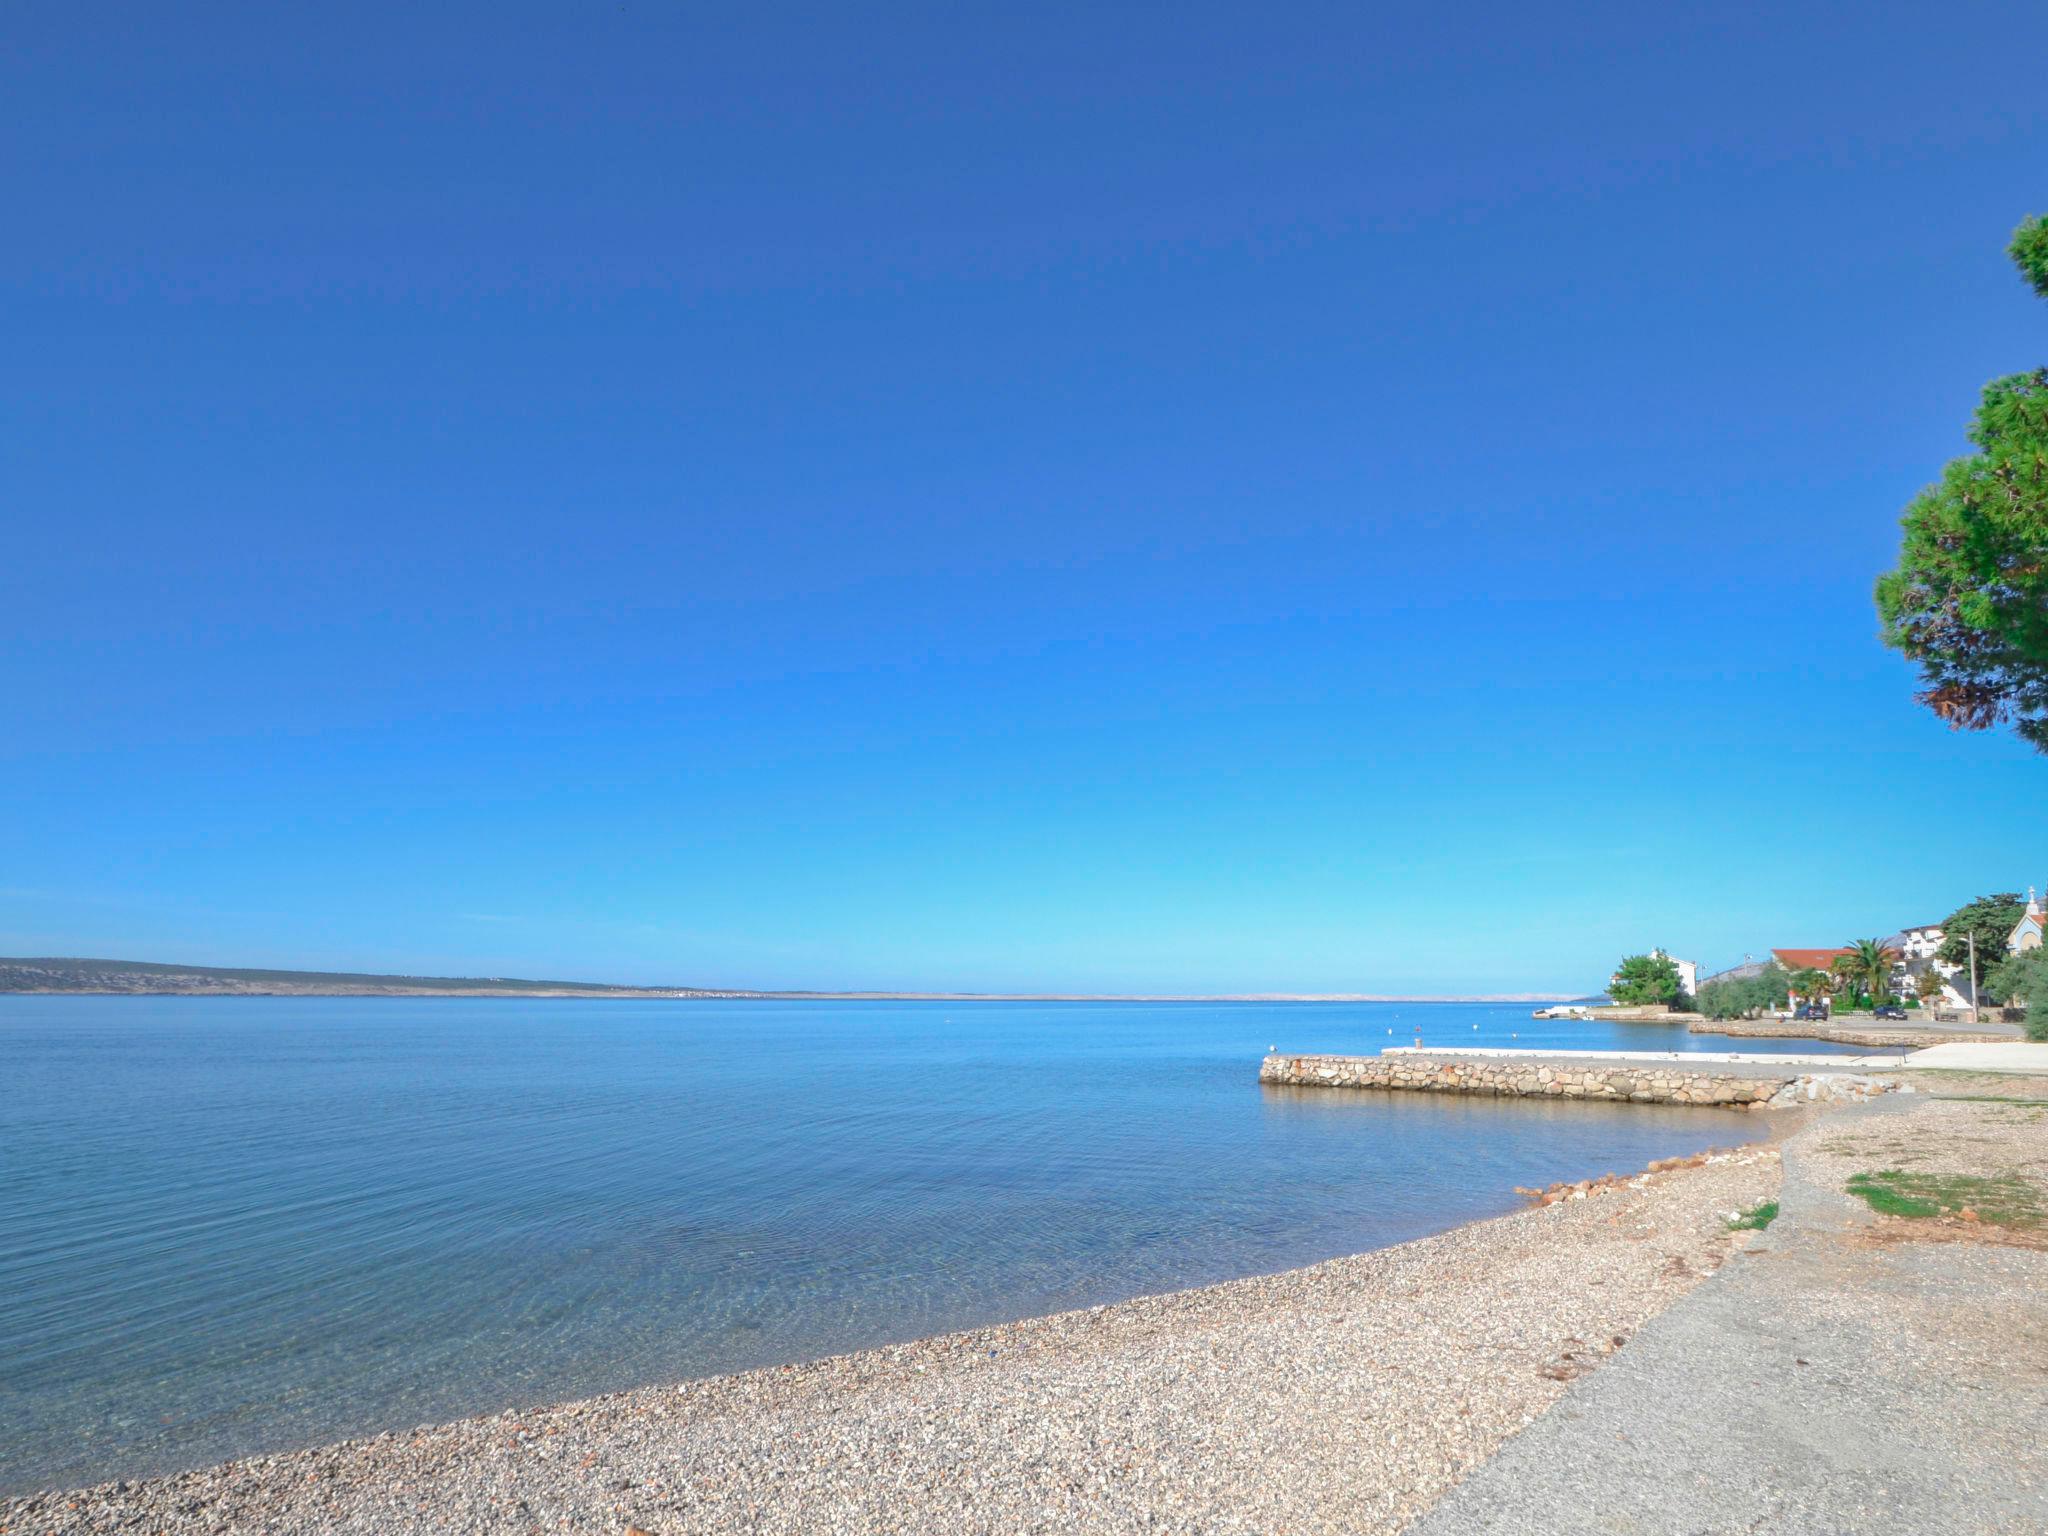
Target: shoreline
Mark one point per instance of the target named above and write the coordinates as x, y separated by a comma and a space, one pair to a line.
1455, 1340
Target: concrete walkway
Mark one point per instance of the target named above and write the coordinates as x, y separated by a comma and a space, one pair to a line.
1820, 1383
2018, 1057
1721, 1063
1862, 1029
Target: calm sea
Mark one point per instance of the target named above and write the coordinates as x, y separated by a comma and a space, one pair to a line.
231, 1225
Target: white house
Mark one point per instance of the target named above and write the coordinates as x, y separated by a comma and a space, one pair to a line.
1917, 943
1916, 947
1688, 972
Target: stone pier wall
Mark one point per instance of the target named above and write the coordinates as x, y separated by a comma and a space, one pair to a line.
1525, 1077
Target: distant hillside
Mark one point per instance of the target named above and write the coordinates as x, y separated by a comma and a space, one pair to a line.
143, 976
147, 978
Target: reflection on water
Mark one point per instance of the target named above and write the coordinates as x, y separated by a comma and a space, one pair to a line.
229, 1225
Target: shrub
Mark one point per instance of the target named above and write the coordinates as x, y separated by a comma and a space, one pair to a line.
2022, 981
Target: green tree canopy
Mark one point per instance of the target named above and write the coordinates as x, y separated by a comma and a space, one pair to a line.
1991, 918
1745, 995
1721, 1000
2029, 250
1645, 979
1969, 598
2021, 978
1771, 986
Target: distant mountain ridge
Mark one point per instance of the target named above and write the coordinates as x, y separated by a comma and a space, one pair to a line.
148, 978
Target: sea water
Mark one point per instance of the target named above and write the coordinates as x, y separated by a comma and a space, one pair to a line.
230, 1225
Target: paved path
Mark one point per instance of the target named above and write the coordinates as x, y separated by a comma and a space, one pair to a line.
1821, 1383
1719, 1063
1862, 1029
1931, 1033
2021, 1057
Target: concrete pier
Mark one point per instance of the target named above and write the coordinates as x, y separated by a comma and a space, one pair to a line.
1727, 1081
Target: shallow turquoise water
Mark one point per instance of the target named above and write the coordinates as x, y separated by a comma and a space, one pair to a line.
230, 1225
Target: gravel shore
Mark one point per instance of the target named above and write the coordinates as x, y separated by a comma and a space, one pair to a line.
1348, 1396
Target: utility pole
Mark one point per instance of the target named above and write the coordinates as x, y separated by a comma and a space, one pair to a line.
1974, 1019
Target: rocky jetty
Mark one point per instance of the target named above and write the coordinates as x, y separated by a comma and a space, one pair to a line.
1525, 1077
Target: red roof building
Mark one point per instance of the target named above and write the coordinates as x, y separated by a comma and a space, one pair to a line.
1807, 959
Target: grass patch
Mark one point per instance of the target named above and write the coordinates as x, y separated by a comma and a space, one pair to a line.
2020, 1113
1755, 1219
1896, 1152
2007, 1201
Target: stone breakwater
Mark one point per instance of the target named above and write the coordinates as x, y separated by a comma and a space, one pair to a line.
1526, 1078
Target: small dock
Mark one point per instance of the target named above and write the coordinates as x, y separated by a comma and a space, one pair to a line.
1715, 1079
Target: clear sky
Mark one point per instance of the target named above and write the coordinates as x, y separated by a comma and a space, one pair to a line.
1186, 497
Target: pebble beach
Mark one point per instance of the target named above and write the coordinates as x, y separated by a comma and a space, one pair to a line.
1347, 1396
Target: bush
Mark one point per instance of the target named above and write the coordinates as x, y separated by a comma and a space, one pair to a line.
2022, 981
1747, 995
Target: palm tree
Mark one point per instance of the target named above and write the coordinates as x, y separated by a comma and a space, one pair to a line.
1847, 975
1869, 960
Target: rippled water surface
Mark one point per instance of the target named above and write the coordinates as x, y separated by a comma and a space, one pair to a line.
229, 1225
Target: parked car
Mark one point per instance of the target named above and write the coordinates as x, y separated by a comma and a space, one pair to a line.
1808, 1012
1889, 1011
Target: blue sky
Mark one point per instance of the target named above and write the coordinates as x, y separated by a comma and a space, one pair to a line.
1175, 498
